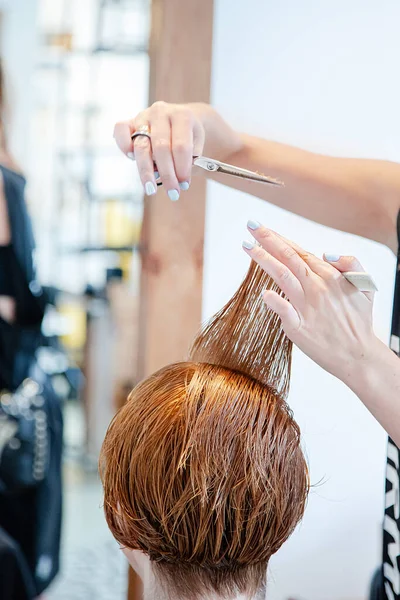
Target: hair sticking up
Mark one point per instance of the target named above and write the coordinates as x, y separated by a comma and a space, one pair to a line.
202, 468
246, 336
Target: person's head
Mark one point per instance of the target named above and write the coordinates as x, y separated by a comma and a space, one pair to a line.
202, 468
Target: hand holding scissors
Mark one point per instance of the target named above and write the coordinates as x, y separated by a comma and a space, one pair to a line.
147, 157
211, 165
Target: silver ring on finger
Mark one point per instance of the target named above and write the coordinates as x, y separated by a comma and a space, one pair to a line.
143, 130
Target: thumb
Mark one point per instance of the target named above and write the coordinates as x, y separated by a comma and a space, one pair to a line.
344, 263
286, 311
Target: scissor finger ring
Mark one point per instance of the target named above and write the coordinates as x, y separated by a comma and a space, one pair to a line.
143, 130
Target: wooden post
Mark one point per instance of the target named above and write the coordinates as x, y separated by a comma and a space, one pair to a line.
173, 232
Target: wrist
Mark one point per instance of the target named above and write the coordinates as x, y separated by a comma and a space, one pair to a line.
221, 141
206, 114
365, 371
376, 382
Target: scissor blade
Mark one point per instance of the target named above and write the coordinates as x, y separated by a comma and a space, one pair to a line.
211, 165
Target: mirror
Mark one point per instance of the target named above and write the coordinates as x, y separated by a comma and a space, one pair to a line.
317, 76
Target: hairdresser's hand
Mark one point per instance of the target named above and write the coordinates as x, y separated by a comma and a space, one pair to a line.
331, 321
178, 132
326, 316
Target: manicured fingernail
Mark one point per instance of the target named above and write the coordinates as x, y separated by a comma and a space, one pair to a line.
131, 155
150, 188
184, 185
248, 245
156, 174
173, 195
332, 257
253, 225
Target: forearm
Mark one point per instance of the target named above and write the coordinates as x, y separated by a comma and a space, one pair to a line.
354, 195
377, 384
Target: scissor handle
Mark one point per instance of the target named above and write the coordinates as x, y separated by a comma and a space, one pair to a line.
158, 183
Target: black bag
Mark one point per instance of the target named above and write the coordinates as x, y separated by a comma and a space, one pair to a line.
24, 433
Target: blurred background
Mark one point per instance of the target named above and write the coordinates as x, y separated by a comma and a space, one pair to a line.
73, 67
320, 75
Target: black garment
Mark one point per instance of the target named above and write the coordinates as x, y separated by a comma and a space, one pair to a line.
20, 222
8, 262
19, 341
390, 573
31, 518
18, 585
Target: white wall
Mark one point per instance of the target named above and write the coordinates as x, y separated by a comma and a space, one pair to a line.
18, 48
321, 75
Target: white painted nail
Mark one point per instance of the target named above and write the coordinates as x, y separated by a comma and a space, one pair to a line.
248, 245
156, 174
253, 225
150, 188
131, 155
173, 195
184, 185
332, 257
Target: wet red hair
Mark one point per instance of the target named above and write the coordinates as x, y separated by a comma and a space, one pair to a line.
202, 468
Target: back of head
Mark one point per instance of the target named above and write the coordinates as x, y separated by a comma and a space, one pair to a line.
202, 468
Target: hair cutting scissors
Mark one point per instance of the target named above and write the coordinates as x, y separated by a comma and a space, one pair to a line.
215, 166
362, 281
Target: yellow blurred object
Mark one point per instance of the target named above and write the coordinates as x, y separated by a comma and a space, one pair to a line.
120, 228
75, 317
125, 263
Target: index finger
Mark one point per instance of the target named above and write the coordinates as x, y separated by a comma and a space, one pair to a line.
282, 251
122, 135
319, 266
